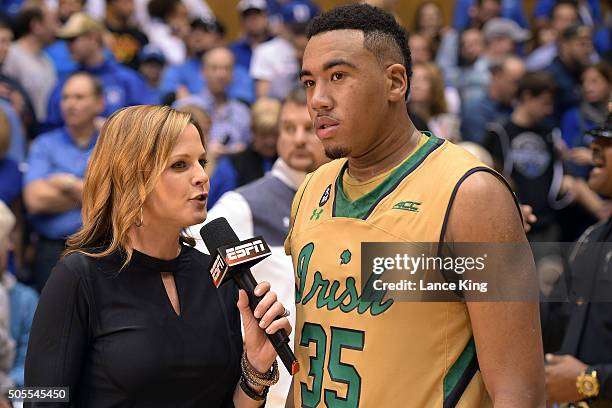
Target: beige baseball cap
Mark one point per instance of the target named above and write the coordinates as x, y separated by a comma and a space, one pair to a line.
79, 24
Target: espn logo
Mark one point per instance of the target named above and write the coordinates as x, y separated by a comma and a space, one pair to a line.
247, 250
218, 271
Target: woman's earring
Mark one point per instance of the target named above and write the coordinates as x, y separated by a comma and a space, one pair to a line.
140, 221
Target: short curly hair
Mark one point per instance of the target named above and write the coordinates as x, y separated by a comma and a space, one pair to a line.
383, 36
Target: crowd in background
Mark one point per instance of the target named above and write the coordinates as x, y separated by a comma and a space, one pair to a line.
519, 91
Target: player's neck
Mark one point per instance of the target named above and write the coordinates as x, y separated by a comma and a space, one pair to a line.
393, 149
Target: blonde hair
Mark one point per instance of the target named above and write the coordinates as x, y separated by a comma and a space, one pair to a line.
5, 133
265, 113
438, 98
131, 153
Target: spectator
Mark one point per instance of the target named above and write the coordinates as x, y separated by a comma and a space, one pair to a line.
18, 142
230, 118
421, 48
496, 104
428, 21
195, 9
476, 13
263, 207
184, 79
7, 344
523, 149
240, 168
564, 14
575, 49
22, 304
121, 85
427, 99
592, 111
152, 63
581, 370
66, 8
501, 39
10, 90
254, 27
58, 51
275, 11
589, 11
276, 63
56, 166
169, 28
10, 176
126, 40
26, 62
465, 10
457, 69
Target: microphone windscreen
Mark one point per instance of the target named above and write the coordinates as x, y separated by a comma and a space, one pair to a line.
218, 233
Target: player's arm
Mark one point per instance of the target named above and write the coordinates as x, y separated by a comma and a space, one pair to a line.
507, 334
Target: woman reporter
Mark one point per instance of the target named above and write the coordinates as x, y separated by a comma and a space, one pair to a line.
129, 316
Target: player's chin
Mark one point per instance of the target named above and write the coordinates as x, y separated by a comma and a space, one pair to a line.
336, 152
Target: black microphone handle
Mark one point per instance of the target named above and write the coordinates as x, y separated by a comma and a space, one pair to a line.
245, 280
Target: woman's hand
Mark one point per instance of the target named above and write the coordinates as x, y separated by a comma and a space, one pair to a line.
260, 352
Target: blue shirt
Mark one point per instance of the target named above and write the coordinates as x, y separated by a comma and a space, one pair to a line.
568, 91
231, 123
59, 54
17, 148
478, 113
23, 305
11, 7
10, 181
189, 74
51, 153
122, 87
511, 9
543, 9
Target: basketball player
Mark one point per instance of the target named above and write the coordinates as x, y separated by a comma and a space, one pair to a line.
356, 71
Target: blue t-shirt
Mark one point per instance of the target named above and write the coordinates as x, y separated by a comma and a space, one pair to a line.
511, 9
51, 153
189, 74
122, 87
10, 181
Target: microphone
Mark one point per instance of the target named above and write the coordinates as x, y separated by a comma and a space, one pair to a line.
232, 260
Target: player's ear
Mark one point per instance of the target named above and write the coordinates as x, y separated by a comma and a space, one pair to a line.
397, 82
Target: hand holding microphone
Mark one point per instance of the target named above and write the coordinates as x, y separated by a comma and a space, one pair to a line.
232, 259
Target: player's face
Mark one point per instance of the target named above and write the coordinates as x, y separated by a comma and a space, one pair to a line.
346, 92
179, 197
600, 178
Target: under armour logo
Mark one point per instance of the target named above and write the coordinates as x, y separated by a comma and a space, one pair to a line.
316, 213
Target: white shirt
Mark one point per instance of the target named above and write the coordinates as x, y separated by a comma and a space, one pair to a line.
275, 61
35, 73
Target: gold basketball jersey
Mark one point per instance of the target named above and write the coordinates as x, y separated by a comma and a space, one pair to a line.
357, 353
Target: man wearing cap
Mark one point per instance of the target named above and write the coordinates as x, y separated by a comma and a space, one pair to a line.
122, 86
127, 39
501, 38
575, 51
582, 369
187, 78
254, 26
151, 66
26, 63
275, 64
